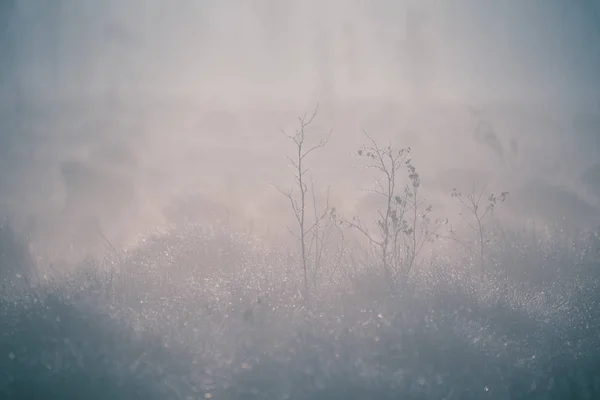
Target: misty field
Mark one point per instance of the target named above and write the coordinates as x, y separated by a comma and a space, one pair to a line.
407, 306
299, 199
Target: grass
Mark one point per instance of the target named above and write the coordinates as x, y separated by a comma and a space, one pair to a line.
207, 314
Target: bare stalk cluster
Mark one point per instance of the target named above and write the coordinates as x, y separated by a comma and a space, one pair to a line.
403, 224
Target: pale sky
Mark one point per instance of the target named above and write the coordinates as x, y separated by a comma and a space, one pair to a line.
509, 50
142, 76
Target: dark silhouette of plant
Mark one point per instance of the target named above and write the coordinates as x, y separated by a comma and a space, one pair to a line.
472, 202
298, 201
486, 134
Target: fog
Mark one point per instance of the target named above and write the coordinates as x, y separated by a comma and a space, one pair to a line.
443, 241
116, 113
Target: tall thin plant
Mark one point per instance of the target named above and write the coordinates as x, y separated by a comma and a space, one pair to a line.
473, 203
298, 195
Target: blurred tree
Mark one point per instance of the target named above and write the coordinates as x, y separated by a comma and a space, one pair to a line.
417, 52
7, 45
275, 18
324, 63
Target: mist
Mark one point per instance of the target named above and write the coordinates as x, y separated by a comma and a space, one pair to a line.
114, 111
280, 199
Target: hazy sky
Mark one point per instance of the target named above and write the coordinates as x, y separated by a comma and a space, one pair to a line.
539, 50
105, 94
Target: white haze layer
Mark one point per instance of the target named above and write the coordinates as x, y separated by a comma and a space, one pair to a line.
113, 111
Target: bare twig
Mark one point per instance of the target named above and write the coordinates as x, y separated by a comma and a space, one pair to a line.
298, 200
472, 202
